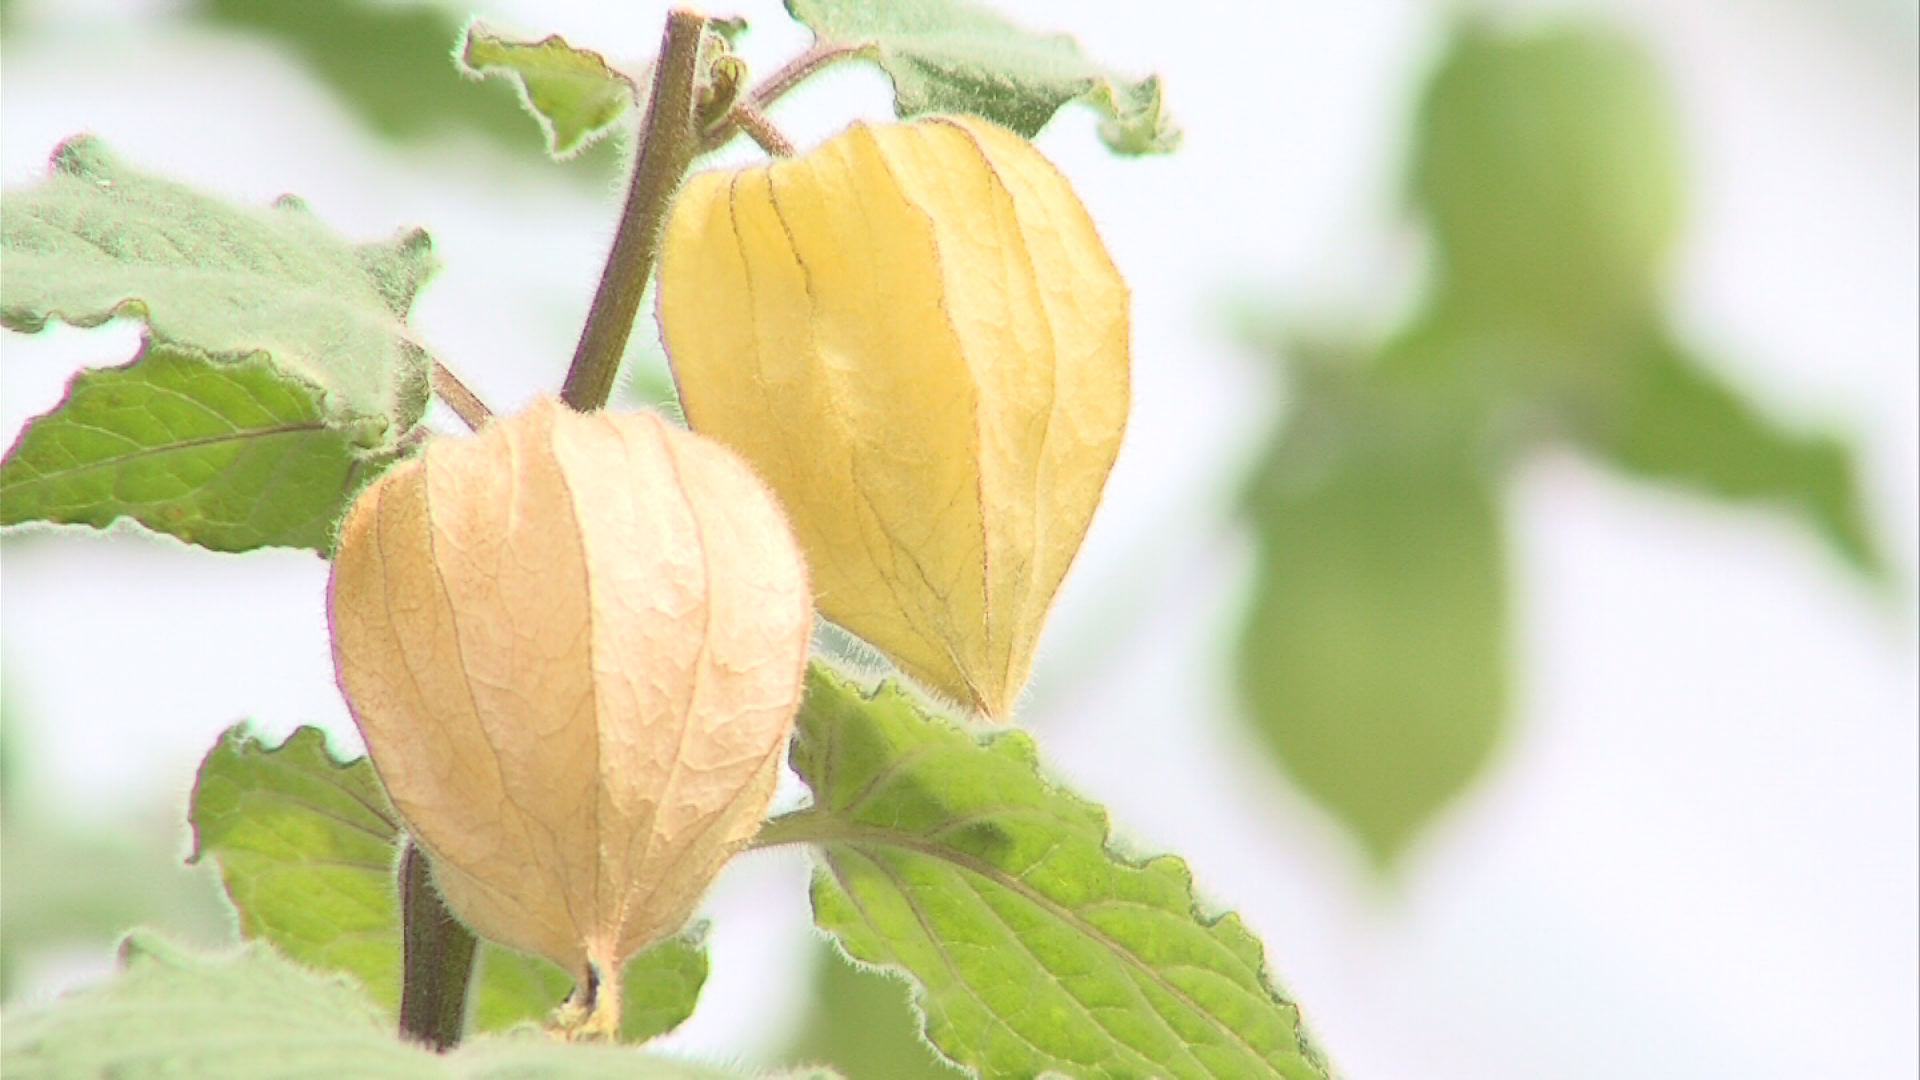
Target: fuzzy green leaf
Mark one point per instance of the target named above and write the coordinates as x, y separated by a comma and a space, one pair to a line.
172, 1012
98, 239
957, 56
230, 456
307, 848
574, 94
1037, 948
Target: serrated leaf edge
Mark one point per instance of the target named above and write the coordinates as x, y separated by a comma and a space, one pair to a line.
364, 454
85, 156
1020, 747
245, 739
462, 61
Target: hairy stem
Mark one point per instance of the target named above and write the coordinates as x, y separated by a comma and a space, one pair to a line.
759, 127
776, 85
436, 959
668, 144
465, 403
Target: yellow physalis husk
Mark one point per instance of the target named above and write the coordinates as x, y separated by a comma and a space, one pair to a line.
574, 645
915, 335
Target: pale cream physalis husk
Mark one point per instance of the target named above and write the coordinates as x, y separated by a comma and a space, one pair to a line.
575, 646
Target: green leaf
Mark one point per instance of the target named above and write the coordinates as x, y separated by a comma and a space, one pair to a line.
77, 885
1548, 166
230, 456
1673, 420
1373, 658
388, 63
1037, 948
307, 847
573, 93
98, 239
862, 1022
658, 991
175, 1013
960, 57
172, 1012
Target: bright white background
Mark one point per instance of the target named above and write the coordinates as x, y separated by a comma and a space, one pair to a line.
1697, 855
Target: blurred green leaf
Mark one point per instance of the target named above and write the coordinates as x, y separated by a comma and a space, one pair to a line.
391, 62
862, 1022
98, 239
230, 456
1373, 658
173, 1012
1548, 168
1672, 419
176, 1013
960, 57
574, 94
71, 885
308, 846
1373, 655
1036, 947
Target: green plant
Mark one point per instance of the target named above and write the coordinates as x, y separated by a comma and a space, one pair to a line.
1546, 171
280, 391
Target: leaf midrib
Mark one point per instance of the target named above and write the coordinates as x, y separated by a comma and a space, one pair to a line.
813, 826
184, 446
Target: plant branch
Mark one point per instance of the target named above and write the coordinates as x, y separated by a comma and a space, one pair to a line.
759, 127
436, 958
776, 85
668, 144
465, 403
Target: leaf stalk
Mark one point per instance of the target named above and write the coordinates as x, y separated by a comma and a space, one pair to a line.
463, 401
759, 127
775, 86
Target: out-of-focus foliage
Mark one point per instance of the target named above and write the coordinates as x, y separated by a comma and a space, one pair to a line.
1671, 419
392, 64
255, 1013
71, 885
862, 1023
1547, 170
1379, 608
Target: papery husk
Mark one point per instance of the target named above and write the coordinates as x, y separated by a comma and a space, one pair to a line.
916, 336
574, 646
